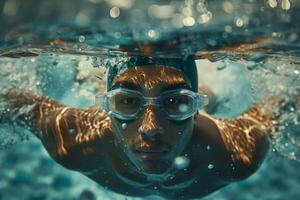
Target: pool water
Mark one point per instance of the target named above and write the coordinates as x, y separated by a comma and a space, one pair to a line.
244, 51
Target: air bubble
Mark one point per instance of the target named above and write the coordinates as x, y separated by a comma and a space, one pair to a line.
183, 108
124, 126
228, 29
81, 38
228, 7
181, 162
152, 34
72, 131
239, 22
204, 18
210, 166
114, 12
188, 21
272, 3
285, 4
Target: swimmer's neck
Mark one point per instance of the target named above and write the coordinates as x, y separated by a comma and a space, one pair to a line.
147, 178
159, 178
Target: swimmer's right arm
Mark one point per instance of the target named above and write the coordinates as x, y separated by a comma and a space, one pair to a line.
71, 136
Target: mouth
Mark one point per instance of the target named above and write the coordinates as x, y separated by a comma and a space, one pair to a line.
151, 153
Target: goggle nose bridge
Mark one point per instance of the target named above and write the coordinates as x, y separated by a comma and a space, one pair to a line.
151, 101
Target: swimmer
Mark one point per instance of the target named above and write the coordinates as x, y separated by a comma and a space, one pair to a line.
148, 134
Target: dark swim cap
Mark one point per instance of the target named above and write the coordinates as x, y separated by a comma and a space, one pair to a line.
186, 66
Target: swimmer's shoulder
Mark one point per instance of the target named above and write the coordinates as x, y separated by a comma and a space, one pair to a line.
240, 146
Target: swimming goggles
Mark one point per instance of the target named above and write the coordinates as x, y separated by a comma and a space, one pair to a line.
129, 104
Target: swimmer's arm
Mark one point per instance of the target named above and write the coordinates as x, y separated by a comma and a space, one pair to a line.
246, 140
24, 109
71, 136
77, 138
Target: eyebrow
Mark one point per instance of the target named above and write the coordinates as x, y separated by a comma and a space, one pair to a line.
132, 86
126, 84
177, 86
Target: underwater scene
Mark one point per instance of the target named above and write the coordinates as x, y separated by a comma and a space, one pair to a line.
149, 99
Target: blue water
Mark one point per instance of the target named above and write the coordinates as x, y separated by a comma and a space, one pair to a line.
245, 50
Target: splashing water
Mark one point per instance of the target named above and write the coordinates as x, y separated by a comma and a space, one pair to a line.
280, 77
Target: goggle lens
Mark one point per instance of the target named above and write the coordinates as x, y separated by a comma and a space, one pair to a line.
125, 103
178, 104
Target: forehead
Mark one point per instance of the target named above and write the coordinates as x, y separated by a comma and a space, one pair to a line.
151, 77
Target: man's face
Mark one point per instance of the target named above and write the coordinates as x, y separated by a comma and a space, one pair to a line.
152, 141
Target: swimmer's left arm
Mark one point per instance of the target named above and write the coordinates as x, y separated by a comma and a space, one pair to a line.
246, 140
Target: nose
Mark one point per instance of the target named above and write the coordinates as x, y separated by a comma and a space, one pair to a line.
150, 128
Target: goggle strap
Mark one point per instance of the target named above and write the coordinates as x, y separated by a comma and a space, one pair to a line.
204, 100
101, 100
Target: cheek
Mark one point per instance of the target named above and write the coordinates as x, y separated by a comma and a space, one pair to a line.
179, 129
123, 125
128, 129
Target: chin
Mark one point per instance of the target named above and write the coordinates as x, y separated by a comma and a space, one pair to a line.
155, 166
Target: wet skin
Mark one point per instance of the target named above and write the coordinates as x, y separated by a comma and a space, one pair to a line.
88, 140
